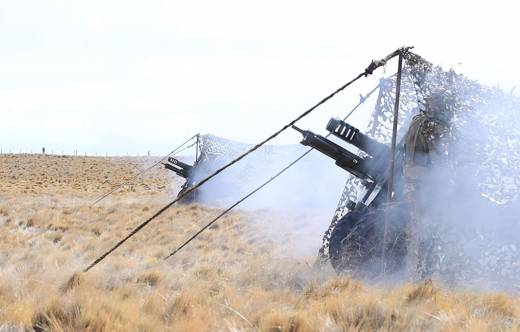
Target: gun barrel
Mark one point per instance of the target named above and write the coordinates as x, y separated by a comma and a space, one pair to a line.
177, 166
301, 131
345, 159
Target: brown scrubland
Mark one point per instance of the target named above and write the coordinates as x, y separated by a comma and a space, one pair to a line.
234, 277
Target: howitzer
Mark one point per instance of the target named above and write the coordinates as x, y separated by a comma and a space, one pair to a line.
357, 236
177, 166
186, 171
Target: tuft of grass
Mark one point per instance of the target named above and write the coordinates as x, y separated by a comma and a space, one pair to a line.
4, 212
57, 317
332, 287
364, 314
151, 278
287, 320
73, 282
501, 305
422, 292
182, 306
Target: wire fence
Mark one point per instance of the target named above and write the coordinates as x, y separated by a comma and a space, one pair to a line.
84, 153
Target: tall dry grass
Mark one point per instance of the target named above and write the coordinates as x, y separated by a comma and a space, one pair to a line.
232, 278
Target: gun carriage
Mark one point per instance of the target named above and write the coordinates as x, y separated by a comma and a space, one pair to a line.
357, 239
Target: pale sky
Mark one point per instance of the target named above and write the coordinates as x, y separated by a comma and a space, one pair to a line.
129, 76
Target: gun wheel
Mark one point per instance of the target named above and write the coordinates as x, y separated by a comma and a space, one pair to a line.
356, 244
352, 244
190, 198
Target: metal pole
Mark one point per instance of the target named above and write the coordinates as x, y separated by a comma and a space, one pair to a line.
197, 149
394, 129
392, 152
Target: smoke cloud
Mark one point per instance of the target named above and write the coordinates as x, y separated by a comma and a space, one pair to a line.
470, 199
300, 202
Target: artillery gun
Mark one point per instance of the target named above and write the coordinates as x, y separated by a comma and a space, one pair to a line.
185, 171
357, 239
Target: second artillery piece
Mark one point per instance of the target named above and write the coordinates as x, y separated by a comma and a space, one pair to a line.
358, 239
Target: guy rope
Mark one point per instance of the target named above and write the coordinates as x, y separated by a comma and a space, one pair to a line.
368, 71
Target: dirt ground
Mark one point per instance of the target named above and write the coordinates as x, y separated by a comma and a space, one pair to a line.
235, 277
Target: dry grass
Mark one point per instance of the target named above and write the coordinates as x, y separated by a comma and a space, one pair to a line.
233, 278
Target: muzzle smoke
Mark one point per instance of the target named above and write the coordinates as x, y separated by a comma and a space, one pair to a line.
470, 200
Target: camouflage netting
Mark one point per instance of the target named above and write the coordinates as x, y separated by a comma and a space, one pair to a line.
253, 170
218, 151
485, 140
485, 134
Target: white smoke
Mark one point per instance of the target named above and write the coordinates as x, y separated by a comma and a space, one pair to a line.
294, 209
313, 183
471, 199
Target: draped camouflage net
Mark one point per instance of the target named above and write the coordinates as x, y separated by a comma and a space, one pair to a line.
470, 104
290, 191
217, 151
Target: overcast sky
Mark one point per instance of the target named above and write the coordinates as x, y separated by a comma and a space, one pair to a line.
131, 76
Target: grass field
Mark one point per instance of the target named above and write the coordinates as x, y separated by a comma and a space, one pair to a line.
244, 274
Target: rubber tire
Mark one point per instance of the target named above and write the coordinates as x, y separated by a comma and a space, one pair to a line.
351, 246
355, 245
190, 198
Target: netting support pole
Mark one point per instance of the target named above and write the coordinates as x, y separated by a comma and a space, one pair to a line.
197, 149
392, 155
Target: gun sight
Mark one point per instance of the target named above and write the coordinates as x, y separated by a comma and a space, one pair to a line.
352, 135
